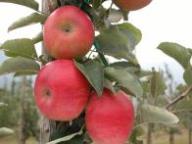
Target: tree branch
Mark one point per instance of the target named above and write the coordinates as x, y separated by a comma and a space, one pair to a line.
180, 97
103, 59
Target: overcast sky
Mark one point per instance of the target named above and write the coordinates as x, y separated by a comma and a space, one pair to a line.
162, 20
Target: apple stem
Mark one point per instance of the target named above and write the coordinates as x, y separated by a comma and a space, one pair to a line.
125, 15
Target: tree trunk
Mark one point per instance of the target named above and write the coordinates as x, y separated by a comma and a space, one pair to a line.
22, 126
44, 123
189, 132
13, 87
171, 138
22, 122
44, 130
149, 133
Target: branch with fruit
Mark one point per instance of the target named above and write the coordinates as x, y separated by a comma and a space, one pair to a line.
90, 74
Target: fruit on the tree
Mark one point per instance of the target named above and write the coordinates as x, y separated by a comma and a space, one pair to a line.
68, 33
61, 91
109, 118
130, 5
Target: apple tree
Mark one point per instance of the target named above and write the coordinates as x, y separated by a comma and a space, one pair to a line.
110, 65
4, 131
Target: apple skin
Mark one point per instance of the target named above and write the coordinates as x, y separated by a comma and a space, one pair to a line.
61, 91
131, 5
68, 33
109, 118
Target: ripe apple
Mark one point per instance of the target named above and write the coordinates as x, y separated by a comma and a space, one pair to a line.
109, 118
68, 33
130, 5
61, 91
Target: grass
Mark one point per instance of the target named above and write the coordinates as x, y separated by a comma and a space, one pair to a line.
13, 139
163, 138
158, 138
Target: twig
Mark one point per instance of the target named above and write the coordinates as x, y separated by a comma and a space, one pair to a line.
103, 59
125, 15
180, 97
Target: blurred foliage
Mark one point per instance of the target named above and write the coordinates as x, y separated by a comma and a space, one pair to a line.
10, 115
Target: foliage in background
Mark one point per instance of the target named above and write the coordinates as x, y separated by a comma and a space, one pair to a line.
10, 115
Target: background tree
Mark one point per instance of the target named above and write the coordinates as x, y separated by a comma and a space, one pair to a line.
20, 112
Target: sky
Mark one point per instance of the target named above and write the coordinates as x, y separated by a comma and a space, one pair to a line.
162, 20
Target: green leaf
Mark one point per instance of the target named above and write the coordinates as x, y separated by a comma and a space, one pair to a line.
28, 3
126, 65
130, 67
119, 41
123, 64
94, 72
18, 64
189, 50
176, 51
153, 114
125, 79
66, 138
188, 75
109, 85
19, 47
3, 104
5, 131
28, 20
38, 38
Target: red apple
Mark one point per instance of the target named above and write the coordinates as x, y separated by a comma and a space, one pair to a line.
68, 33
110, 118
61, 91
130, 5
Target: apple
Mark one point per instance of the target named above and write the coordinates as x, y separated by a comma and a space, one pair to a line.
130, 5
61, 91
109, 118
68, 33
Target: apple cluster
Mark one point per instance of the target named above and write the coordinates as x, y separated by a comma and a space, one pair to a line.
62, 92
